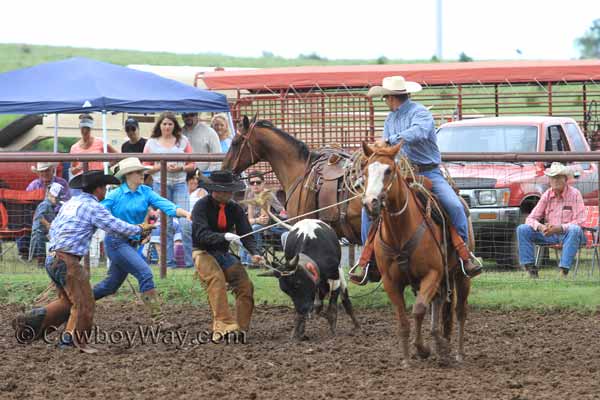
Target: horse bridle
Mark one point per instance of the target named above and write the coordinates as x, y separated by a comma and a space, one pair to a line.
245, 142
387, 188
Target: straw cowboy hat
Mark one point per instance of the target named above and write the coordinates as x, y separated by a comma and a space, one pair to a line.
557, 169
127, 165
394, 85
222, 181
42, 166
92, 179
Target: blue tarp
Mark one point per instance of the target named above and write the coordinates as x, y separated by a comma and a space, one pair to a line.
82, 85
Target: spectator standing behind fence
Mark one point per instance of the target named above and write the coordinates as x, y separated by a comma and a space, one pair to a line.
136, 142
562, 209
196, 193
167, 138
203, 140
42, 218
256, 216
46, 176
88, 144
220, 125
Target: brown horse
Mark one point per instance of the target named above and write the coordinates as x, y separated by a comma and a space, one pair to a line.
290, 160
409, 251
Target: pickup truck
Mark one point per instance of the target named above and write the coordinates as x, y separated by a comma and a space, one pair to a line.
500, 195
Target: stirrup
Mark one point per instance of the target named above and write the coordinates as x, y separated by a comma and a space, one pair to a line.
365, 274
462, 268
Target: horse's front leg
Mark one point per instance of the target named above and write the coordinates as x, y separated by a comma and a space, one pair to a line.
463, 287
427, 291
396, 294
422, 350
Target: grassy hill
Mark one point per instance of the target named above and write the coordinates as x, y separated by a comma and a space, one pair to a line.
13, 56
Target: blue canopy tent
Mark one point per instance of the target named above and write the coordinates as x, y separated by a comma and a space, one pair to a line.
79, 85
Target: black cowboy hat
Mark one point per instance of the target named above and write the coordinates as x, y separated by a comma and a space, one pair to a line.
92, 179
222, 181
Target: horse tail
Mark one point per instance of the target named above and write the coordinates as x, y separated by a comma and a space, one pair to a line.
448, 308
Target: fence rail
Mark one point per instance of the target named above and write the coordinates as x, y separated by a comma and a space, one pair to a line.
495, 240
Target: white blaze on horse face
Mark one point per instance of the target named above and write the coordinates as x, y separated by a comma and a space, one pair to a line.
307, 227
376, 178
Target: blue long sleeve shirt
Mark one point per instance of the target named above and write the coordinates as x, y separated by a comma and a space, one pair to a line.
413, 123
132, 207
77, 221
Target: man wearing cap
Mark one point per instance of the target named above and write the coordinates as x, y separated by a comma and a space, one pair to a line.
213, 219
562, 209
136, 142
70, 236
411, 123
203, 139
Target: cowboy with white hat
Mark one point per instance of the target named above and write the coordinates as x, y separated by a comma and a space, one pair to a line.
215, 218
563, 212
70, 236
130, 202
46, 177
412, 123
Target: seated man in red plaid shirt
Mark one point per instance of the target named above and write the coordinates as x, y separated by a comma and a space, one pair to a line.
563, 212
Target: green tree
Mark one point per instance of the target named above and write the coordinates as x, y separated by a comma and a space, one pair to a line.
589, 43
463, 57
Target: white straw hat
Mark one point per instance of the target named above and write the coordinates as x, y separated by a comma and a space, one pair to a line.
42, 166
558, 169
394, 85
127, 165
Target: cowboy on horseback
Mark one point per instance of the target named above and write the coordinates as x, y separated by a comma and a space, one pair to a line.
412, 123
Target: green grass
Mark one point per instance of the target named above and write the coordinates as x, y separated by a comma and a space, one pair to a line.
13, 56
493, 290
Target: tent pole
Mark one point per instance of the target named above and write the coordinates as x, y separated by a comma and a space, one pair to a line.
231, 127
56, 132
104, 139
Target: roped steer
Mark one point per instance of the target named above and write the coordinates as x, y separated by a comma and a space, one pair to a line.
311, 272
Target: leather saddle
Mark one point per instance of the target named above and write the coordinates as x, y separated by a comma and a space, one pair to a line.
325, 177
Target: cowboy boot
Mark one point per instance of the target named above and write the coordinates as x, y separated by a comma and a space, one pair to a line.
470, 268
152, 303
366, 263
31, 325
243, 290
213, 280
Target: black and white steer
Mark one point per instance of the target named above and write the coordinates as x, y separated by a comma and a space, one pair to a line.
311, 272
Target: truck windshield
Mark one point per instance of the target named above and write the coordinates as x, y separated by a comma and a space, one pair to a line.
481, 139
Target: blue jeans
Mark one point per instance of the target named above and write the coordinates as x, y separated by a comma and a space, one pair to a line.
124, 259
571, 241
244, 255
178, 194
447, 197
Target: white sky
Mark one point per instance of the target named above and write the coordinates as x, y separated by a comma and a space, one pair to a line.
483, 29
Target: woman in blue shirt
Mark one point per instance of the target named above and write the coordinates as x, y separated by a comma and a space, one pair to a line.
130, 202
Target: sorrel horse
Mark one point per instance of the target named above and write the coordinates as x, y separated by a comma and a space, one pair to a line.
409, 250
290, 160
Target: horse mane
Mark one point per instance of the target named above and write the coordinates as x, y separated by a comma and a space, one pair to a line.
303, 150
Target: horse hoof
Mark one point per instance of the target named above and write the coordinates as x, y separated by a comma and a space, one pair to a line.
405, 364
460, 358
443, 362
423, 351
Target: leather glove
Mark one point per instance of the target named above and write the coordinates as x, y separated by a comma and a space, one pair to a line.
231, 237
146, 229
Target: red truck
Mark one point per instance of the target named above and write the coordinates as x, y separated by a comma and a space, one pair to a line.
501, 194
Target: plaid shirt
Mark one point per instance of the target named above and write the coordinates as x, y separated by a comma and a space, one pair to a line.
77, 221
558, 210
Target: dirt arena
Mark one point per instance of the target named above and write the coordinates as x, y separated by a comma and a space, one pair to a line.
512, 355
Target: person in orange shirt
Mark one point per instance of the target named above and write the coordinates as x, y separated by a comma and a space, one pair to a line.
88, 144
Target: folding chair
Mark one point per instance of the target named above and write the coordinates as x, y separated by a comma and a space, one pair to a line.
16, 214
590, 229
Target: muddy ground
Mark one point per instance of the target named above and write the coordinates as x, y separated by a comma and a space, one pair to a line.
510, 355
